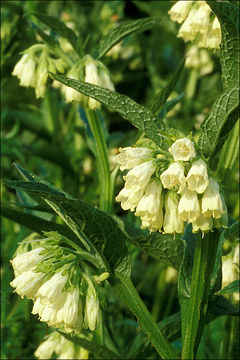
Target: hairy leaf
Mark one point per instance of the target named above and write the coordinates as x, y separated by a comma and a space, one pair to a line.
137, 114
160, 99
119, 32
58, 26
230, 288
219, 122
228, 16
165, 247
95, 229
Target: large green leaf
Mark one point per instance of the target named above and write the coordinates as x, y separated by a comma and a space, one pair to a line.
137, 114
228, 16
35, 223
159, 100
97, 231
164, 247
58, 26
119, 32
218, 123
224, 114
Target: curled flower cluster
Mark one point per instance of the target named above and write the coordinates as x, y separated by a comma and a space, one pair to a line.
93, 72
198, 23
58, 344
183, 192
33, 67
56, 300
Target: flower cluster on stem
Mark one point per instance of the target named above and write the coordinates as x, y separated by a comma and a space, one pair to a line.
182, 192
198, 23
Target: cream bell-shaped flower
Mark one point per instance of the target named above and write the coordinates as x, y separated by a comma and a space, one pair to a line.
172, 222
52, 288
188, 207
25, 70
129, 157
202, 223
216, 28
180, 10
182, 149
212, 204
150, 207
71, 94
129, 198
27, 260
28, 283
174, 176
138, 178
202, 17
187, 31
68, 313
47, 347
197, 177
92, 77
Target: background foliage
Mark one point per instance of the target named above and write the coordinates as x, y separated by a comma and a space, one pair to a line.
51, 139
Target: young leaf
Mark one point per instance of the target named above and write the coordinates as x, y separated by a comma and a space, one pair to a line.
137, 114
230, 288
94, 228
228, 16
219, 122
160, 99
119, 32
58, 26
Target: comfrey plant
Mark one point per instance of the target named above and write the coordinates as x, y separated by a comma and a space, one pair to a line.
78, 275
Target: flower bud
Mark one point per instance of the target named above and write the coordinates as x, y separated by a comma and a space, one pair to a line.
197, 177
212, 204
182, 149
91, 315
174, 176
172, 222
129, 157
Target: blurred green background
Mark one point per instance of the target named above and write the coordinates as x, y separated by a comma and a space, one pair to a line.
48, 137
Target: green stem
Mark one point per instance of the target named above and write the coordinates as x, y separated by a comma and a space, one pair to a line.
125, 289
106, 188
229, 154
204, 260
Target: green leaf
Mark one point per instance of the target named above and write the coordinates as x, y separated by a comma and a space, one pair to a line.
95, 229
98, 351
232, 231
58, 26
165, 247
230, 288
220, 306
119, 32
35, 223
218, 123
137, 114
160, 99
228, 16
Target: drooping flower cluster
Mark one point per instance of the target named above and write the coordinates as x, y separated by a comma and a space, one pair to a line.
91, 71
183, 192
55, 343
33, 67
62, 296
198, 23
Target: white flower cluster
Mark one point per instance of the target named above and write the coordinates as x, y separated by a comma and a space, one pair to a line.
94, 73
190, 196
58, 344
32, 69
198, 23
55, 303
